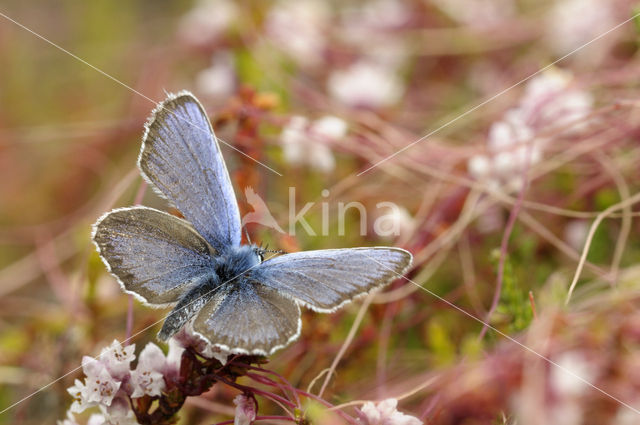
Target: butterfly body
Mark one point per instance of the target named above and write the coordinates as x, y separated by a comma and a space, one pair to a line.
233, 298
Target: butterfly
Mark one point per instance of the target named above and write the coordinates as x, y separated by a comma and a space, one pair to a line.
230, 294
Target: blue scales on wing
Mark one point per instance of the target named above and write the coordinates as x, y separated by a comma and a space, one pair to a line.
181, 158
324, 280
249, 318
154, 255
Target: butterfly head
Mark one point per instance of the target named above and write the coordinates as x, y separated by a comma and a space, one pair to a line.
261, 251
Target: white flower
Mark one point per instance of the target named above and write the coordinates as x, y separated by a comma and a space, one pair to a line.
575, 233
100, 386
119, 412
148, 378
117, 358
299, 29
366, 84
187, 337
219, 80
512, 148
568, 380
329, 128
174, 358
79, 394
70, 420
96, 419
370, 27
207, 20
300, 147
245, 410
573, 23
385, 413
550, 100
396, 222
479, 167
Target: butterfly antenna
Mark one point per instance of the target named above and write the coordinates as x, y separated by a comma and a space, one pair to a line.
246, 233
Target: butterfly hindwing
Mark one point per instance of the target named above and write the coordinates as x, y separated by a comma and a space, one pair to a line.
249, 318
323, 280
180, 156
154, 255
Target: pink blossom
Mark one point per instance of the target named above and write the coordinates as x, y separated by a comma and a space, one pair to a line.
207, 20
119, 412
148, 378
187, 337
366, 84
386, 413
117, 359
100, 386
304, 143
245, 410
94, 419
307, 20
552, 100
219, 80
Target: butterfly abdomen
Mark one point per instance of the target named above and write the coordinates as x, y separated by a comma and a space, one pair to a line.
190, 304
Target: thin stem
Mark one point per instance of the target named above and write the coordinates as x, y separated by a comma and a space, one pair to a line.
504, 245
347, 342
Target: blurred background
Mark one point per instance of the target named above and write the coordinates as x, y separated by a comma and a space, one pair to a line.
513, 180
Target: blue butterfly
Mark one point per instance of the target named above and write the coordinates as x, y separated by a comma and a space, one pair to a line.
234, 298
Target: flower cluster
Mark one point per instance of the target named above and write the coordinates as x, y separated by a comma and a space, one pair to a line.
550, 102
110, 382
385, 413
308, 143
156, 388
308, 20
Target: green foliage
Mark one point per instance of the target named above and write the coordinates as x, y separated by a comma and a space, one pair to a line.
514, 305
441, 346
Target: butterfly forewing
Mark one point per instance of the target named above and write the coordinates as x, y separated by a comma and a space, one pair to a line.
180, 156
154, 255
324, 280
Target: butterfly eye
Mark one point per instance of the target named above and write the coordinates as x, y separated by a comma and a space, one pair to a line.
260, 253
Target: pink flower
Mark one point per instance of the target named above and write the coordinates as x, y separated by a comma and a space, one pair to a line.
95, 419
299, 29
100, 387
245, 410
148, 378
565, 33
207, 20
304, 143
187, 337
328, 129
219, 80
174, 358
385, 413
366, 84
119, 412
117, 359
551, 100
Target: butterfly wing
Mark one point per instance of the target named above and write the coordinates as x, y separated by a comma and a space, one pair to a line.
324, 280
155, 256
250, 319
180, 156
